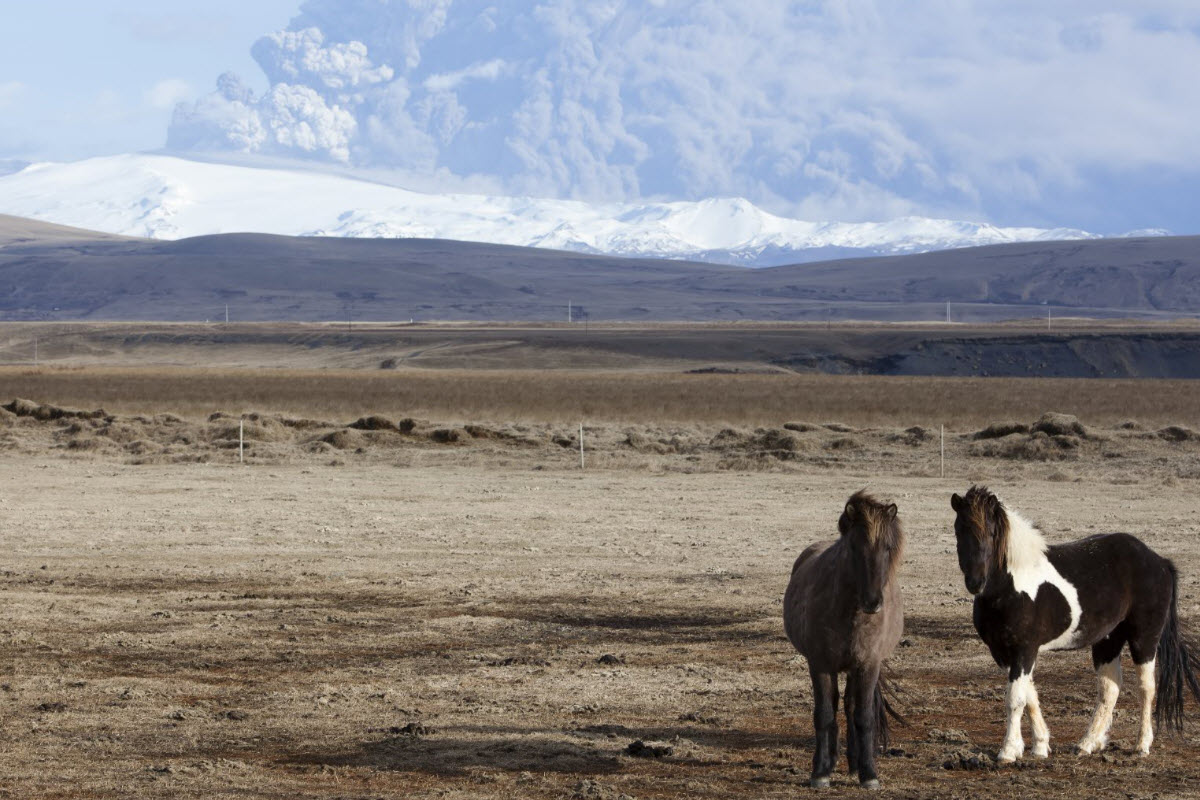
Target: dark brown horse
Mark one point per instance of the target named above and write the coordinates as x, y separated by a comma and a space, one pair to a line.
1102, 592
842, 611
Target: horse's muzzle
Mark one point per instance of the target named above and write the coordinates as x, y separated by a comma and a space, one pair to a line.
974, 586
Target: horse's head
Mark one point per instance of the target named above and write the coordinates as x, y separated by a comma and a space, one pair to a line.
875, 541
981, 531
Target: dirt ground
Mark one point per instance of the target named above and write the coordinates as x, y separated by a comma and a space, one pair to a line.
486, 620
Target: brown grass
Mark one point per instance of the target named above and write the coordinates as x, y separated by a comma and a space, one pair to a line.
522, 395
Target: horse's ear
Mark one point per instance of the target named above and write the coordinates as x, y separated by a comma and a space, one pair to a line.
844, 520
891, 511
956, 502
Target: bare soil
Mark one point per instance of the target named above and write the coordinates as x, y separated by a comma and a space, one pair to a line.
478, 617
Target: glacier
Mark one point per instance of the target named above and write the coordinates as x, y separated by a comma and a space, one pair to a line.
170, 197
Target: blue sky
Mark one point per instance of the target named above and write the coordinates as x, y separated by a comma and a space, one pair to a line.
80, 78
1080, 113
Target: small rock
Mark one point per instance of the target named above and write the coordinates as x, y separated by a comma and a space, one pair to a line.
610, 659
642, 749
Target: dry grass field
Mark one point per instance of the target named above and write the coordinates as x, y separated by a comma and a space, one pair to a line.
606, 396
450, 607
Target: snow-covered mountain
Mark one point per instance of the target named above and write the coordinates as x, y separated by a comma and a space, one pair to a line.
167, 197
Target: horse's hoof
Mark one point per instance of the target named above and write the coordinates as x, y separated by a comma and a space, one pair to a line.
870, 785
1041, 751
818, 783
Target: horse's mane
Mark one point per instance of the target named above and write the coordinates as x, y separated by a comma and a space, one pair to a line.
1015, 540
881, 522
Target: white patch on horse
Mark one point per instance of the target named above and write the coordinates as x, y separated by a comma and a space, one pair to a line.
1029, 568
1016, 700
1146, 679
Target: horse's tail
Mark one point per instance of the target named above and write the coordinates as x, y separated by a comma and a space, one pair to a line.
1175, 665
885, 692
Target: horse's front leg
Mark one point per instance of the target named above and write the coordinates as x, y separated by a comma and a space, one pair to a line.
866, 721
1037, 723
1021, 695
824, 726
849, 699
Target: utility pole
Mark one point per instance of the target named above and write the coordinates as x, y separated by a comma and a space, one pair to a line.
227, 313
947, 311
1047, 317
568, 312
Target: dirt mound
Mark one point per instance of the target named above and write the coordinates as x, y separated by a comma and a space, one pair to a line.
1177, 433
90, 444
46, 412
373, 423
1054, 424
998, 430
126, 432
487, 433
264, 429
303, 423
729, 439
779, 443
448, 435
802, 427
1038, 447
343, 440
644, 444
763, 445
913, 437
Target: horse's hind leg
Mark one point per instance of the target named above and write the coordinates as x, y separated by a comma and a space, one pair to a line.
1144, 652
1106, 658
825, 697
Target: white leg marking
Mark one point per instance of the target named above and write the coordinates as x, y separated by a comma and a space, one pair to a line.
1108, 687
1014, 745
1041, 734
1146, 679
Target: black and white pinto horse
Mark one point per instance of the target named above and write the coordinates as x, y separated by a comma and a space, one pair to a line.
1102, 592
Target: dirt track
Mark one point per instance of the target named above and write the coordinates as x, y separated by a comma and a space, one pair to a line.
374, 630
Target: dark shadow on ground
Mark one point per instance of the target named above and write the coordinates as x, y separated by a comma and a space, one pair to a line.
588, 750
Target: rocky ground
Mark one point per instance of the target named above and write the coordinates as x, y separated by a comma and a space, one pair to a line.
364, 609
